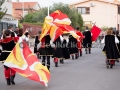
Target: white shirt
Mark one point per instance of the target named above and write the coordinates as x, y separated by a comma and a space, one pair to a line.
25, 38
116, 40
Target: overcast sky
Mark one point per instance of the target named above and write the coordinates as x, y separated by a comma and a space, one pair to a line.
44, 3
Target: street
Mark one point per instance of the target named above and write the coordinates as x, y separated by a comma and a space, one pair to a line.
89, 72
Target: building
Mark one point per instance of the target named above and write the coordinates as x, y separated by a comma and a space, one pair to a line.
99, 12
20, 9
8, 18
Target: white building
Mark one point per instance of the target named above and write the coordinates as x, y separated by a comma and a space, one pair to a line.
8, 17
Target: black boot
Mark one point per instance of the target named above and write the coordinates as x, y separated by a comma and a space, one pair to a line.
12, 79
89, 51
86, 50
56, 64
80, 54
72, 57
61, 61
43, 63
40, 57
48, 67
76, 56
8, 81
107, 64
111, 66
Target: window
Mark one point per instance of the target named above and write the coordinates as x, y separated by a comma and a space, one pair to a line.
118, 10
83, 10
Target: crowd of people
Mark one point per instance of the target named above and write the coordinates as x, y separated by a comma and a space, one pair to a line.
64, 47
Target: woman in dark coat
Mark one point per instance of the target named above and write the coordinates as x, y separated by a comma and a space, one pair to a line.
110, 48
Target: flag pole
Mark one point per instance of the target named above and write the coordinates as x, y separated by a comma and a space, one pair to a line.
48, 10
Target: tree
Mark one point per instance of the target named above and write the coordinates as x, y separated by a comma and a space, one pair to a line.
72, 13
2, 10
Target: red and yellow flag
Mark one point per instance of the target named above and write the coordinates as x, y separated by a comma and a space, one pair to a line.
23, 61
56, 24
60, 18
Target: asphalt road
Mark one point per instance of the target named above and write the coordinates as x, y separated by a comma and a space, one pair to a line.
86, 73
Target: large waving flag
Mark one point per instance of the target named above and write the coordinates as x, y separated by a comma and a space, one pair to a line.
23, 61
56, 24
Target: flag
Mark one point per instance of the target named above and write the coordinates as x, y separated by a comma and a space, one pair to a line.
60, 18
68, 29
95, 32
46, 26
57, 24
24, 62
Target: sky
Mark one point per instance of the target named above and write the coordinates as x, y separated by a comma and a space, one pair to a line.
44, 3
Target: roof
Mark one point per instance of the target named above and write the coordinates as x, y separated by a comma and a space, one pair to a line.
105, 1
19, 5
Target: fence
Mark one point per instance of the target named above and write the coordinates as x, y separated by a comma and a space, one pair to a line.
33, 29
4, 25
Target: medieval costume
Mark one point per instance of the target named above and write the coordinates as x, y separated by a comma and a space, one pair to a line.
8, 44
87, 41
58, 51
110, 49
73, 49
35, 46
79, 43
66, 54
36, 51
45, 50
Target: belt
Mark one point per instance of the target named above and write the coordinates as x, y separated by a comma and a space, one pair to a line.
6, 51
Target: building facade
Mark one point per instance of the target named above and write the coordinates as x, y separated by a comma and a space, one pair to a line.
99, 12
20, 9
8, 18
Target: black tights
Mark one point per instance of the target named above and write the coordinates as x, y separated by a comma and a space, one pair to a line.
44, 61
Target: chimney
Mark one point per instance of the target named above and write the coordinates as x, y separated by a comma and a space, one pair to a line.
17, 0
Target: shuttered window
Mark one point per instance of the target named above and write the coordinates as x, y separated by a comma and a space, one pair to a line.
83, 10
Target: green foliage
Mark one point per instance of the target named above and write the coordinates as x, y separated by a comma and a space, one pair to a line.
20, 25
104, 28
2, 10
38, 17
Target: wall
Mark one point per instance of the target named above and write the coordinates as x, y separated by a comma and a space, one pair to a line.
33, 29
8, 5
99, 13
